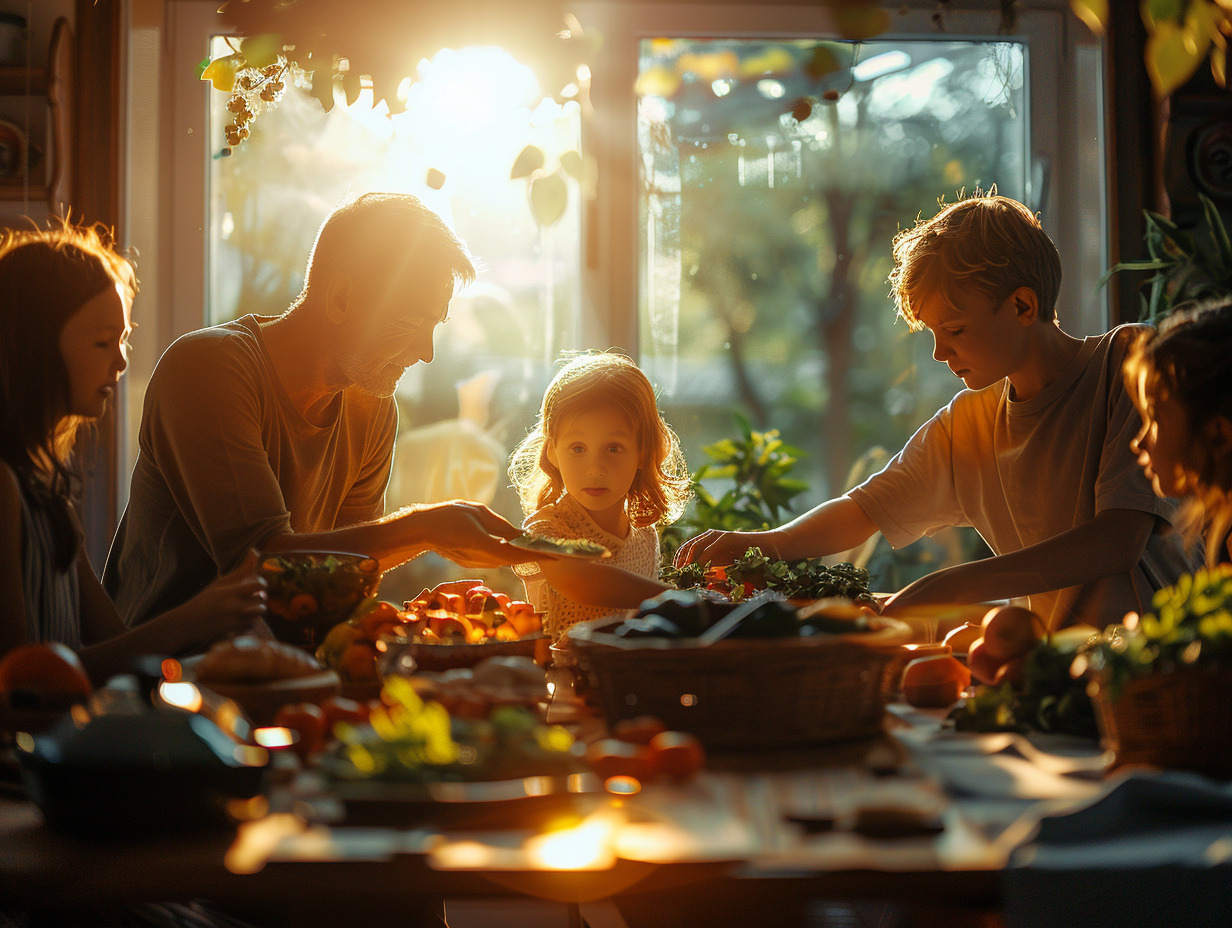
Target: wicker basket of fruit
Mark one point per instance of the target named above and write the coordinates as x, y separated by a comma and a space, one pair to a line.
1161, 681
758, 674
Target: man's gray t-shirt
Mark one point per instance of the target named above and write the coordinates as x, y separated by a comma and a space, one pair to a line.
225, 460
1024, 472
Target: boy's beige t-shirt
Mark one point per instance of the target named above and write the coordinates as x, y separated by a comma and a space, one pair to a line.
1023, 472
225, 460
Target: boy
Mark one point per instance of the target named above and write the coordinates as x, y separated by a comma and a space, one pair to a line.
1035, 453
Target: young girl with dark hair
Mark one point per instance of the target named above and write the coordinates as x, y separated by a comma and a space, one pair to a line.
65, 302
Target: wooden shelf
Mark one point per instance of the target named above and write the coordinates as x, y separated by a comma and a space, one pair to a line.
17, 193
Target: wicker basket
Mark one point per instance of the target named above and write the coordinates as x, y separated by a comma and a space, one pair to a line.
1176, 720
745, 693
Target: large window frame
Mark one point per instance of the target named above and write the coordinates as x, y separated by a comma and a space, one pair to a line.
169, 150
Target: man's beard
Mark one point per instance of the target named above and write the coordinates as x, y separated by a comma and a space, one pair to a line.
377, 378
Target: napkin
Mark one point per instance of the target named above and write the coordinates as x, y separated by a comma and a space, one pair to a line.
1153, 848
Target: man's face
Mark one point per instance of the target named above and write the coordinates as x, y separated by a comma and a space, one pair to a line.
980, 342
394, 328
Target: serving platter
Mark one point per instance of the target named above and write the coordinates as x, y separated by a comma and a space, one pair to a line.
582, 550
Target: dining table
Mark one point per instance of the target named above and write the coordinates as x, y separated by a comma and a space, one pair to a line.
923, 825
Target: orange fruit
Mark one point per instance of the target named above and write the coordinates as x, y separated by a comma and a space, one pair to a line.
358, 662
611, 757
638, 730
1011, 631
935, 682
982, 664
44, 673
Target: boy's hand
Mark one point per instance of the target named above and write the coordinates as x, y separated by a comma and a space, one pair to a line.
715, 547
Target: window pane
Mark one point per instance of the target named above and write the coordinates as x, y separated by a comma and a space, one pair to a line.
775, 175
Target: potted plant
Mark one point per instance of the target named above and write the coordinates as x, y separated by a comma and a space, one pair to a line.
1161, 681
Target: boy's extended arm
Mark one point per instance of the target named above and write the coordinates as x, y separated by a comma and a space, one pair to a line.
1111, 543
833, 526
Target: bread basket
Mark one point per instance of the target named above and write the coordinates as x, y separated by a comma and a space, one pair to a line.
744, 693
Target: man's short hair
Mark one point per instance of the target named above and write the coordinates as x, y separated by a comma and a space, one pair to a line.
987, 242
380, 234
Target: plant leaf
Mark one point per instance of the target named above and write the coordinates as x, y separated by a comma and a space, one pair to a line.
261, 50
548, 198
221, 72
1092, 12
571, 162
529, 160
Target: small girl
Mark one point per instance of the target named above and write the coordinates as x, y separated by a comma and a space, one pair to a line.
600, 465
1180, 376
65, 301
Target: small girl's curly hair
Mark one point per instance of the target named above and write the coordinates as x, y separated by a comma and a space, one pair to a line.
662, 485
1189, 357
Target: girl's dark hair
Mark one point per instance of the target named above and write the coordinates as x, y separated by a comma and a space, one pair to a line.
45, 277
1189, 357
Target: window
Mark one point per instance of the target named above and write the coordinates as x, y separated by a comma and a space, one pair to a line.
737, 240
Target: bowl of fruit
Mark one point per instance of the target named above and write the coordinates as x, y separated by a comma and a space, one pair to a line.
460, 623
312, 591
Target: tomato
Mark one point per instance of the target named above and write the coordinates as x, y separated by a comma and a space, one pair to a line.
301, 605
935, 682
341, 709
358, 662
44, 673
1011, 631
983, 665
677, 754
611, 757
307, 720
639, 730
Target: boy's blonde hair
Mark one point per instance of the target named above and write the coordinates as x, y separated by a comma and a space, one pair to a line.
987, 242
661, 487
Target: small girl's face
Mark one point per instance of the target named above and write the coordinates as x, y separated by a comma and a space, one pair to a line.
1162, 444
598, 456
94, 345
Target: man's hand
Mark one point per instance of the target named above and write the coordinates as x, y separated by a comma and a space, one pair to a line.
470, 534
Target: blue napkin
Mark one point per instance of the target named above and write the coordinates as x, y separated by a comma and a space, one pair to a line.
1154, 848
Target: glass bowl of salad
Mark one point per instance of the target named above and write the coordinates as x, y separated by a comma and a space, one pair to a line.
312, 591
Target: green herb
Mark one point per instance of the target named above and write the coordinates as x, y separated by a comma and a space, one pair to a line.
807, 578
1189, 625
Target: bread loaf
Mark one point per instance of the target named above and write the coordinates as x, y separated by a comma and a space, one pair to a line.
248, 659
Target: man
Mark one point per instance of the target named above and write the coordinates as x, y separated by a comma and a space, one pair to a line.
277, 432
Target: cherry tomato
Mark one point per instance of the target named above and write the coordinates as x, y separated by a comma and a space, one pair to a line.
307, 720
44, 672
677, 754
341, 709
639, 730
611, 757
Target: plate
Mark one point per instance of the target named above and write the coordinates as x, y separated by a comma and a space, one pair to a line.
560, 548
499, 803
261, 701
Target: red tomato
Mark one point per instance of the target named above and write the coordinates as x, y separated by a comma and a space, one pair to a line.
639, 730
341, 709
611, 757
307, 720
677, 754
44, 672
